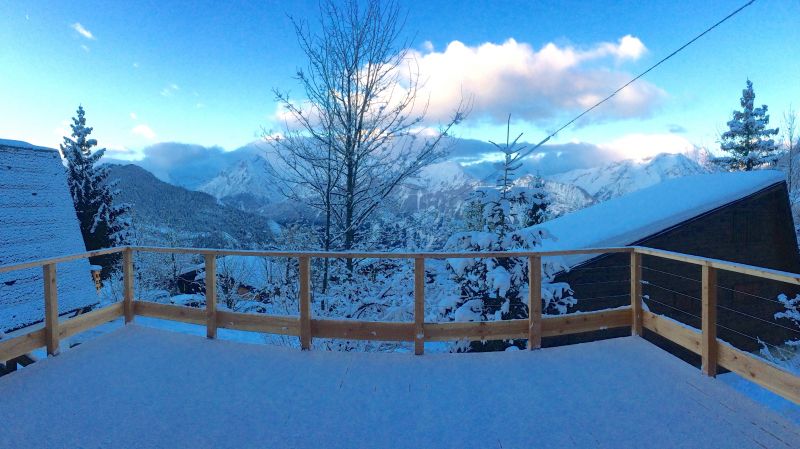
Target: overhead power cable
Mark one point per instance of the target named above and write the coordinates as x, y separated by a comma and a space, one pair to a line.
664, 59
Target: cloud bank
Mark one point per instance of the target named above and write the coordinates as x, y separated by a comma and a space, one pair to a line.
536, 86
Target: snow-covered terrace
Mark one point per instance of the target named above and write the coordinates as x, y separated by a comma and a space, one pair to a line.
146, 388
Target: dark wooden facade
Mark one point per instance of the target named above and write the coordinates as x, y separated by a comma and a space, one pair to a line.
755, 230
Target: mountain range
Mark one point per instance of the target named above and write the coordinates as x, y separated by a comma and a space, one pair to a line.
242, 204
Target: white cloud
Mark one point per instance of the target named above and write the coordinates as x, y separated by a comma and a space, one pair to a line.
85, 48
641, 146
532, 85
135, 65
144, 131
541, 86
133, 116
82, 31
170, 90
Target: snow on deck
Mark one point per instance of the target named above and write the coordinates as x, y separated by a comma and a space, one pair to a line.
627, 219
148, 388
37, 221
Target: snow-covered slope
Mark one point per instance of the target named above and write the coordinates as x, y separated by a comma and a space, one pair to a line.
37, 221
655, 208
443, 186
248, 176
618, 178
564, 198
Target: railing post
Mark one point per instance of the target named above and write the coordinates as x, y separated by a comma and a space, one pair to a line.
636, 293
127, 284
419, 305
535, 302
305, 302
50, 309
708, 347
211, 295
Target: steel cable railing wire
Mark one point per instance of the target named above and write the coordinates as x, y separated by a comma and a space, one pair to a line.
672, 274
783, 351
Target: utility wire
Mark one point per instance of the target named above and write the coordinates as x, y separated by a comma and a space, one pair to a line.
553, 134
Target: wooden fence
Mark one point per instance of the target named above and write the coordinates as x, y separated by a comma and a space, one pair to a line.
703, 342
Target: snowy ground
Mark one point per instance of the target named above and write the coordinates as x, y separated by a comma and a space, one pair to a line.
145, 388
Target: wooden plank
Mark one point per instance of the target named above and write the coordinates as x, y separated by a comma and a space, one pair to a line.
127, 284
211, 295
419, 306
672, 331
535, 302
636, 293
363, 330
708, 347
765, 374
89, 320
50, 309
766, 273
269, 324
483, 330
305, 303
170, 312
576, 323
55, 260
379, 255
22, 344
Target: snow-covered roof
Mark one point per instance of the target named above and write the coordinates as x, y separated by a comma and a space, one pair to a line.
627, 219
37, 221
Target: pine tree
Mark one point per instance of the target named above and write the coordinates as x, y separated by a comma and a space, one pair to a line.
102, 223
496, 288
748, 140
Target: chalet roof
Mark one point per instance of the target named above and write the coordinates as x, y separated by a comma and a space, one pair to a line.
37, 221
627, 219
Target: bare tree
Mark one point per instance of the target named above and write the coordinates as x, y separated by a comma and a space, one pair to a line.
790, 137
355, 136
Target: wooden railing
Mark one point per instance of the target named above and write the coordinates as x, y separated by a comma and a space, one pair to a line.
704, 342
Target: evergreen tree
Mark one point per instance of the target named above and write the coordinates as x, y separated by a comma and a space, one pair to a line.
747, 139
102, 223
497, 288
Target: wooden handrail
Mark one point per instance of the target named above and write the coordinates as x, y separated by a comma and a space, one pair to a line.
703, 342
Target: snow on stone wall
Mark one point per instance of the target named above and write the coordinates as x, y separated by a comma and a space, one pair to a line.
37, 220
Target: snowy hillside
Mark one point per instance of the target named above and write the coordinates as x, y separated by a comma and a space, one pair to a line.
618, 178
443, 186
166, 214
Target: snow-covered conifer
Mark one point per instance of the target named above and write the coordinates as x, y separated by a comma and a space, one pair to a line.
103, 224
748, 141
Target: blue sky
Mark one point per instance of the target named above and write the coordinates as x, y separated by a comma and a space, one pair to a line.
202, 72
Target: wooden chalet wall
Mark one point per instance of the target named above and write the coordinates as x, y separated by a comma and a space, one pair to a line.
756, 230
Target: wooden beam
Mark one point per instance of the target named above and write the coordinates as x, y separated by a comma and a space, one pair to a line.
270, 324
765, 374
50, 309
89, 320
482, 330
363, 330
55, 260
575, 323
305, 302
211, 295
419, 305
170, 312
708, 349
636, 293
672, 331
127, 284
535, 302
380, 255
765, 273
22, 344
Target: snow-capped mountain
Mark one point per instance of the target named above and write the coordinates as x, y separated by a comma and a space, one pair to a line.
618, 178
443, 186
564, 198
